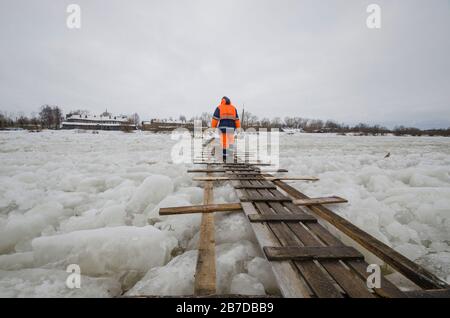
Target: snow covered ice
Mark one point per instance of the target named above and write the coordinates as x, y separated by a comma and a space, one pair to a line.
403, 200
93, 200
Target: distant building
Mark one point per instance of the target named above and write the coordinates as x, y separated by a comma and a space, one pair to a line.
158, 125
105, 121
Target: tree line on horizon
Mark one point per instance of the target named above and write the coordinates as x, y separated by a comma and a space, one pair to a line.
50, 117
249, 120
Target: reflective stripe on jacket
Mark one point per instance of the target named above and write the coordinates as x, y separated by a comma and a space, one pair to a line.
225, 116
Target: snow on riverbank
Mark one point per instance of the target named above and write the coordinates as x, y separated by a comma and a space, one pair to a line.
93, 200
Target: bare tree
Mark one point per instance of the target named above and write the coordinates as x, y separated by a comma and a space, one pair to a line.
3, 121
402, 130
301, 122
332, 126
206, 118
276, 122
50, 116
250, 120
135, 119
23, 121
127, 126
46, 116
314, 125
265, 123
289, 122
57, 116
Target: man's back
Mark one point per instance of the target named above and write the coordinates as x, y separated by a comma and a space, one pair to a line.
226, 116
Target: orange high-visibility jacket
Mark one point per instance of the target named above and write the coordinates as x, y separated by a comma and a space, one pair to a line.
225, 116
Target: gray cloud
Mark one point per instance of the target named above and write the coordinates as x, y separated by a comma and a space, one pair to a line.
165, 58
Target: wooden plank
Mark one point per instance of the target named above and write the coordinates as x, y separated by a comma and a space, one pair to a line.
305, 178
238, 177
267, 170
416, 273
353, 286
267, 199
205, 170
281, 218
431, 293
206, 208
311, 253
321, 200
347, 280
234, 172
217, 179
287, 279
387, 289
236, 164
205, 275
320, 284
255, 186
251, 171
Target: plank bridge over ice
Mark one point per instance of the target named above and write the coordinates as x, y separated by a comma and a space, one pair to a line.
306, 258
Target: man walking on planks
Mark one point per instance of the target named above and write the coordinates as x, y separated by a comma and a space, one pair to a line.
226, 118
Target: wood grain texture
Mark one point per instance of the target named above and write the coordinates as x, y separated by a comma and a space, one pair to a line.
416, 273
206, 208
304, 253
282, 218
205, 275
321, 200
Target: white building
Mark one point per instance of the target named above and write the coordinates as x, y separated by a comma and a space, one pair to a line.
105, 121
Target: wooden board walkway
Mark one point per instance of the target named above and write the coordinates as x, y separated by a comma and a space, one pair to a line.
205, 278
307, 260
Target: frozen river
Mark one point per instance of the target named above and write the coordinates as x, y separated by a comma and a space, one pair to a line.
93, 200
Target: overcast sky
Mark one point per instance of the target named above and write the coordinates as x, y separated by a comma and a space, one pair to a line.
314, 59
